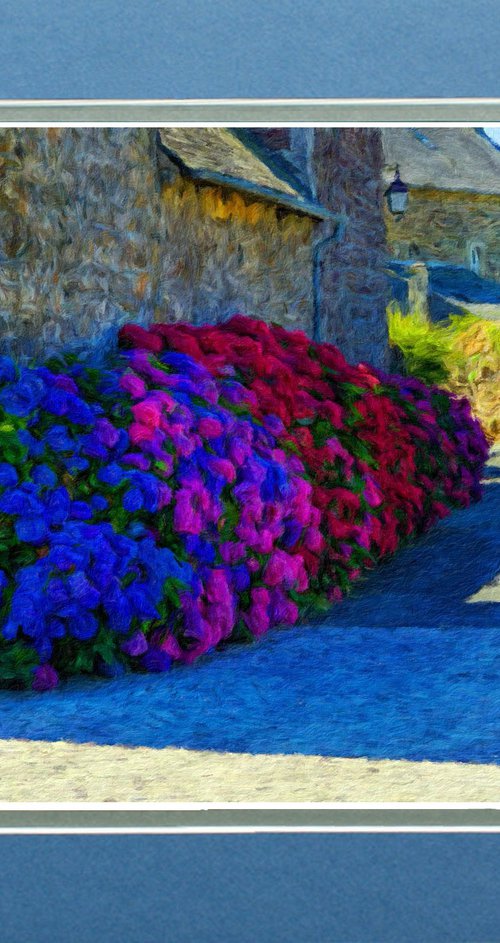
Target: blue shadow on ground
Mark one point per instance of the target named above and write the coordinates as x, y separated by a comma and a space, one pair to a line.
451, 288
404, 669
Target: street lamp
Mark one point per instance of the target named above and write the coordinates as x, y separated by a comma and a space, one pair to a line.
397, 195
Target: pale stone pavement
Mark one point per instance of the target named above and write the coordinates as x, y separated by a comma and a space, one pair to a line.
70, 772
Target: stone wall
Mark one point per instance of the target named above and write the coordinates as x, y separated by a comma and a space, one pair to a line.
347, 164
79, 235
442, 226
91, 238
342, 169
223, 253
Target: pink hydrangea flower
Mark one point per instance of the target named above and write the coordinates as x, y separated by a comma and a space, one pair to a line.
283, 569
210, 428
148, 412
187, 517
222, 467
257, 618
313, 539
264, 541
371, 493
133, 385
139, 433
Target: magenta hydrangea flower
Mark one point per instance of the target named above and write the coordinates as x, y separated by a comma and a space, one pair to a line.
205, 482
45, 678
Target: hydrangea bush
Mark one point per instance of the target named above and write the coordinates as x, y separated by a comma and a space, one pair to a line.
386, 455
207, 484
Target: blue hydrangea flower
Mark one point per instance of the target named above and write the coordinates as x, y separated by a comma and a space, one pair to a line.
112, 474
8, 475
133, 500
22, 397
31, 529
3, 583
34, 446
59, 439
7, 370
44, 476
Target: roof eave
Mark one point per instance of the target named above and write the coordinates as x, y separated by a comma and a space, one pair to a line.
293, 203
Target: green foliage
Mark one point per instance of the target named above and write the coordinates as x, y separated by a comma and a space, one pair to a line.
17, 662
426, 348
436, 352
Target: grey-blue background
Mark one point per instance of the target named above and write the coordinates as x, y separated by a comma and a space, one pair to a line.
277, 888
262, 48
385, 888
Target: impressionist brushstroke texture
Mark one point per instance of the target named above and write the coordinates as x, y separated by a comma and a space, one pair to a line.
98, 227
462, 354
204, 479
454, 206
377, 676
206, 484
79, 233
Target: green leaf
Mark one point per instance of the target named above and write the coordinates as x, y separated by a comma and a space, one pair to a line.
105, 645
83, 661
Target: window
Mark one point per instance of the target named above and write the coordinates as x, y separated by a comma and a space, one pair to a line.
475, 258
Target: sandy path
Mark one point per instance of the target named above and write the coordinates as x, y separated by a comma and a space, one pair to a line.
33, 771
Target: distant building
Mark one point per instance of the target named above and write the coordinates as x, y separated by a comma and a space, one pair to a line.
453, 213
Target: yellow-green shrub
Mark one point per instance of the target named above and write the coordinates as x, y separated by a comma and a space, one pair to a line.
461, 353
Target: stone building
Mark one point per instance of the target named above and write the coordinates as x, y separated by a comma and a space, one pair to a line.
99, 226
453, 213
237, 231
342, 169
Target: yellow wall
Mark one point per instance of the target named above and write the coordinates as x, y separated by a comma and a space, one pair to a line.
223, 252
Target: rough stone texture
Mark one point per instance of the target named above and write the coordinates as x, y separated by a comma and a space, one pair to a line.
346, 163
90, 238
79, 235
342, 169
442, 226
223, 253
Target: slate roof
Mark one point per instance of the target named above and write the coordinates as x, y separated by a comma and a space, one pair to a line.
442, 158
218, 156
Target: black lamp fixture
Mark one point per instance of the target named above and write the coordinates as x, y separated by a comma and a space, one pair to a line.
397, 195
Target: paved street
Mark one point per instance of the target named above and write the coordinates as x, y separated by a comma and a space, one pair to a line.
394, 697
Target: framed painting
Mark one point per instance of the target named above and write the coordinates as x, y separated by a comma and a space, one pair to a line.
249, 463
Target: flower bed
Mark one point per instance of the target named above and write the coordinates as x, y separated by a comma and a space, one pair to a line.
207, 484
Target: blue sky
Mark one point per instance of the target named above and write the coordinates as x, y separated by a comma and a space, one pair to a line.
493, 133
